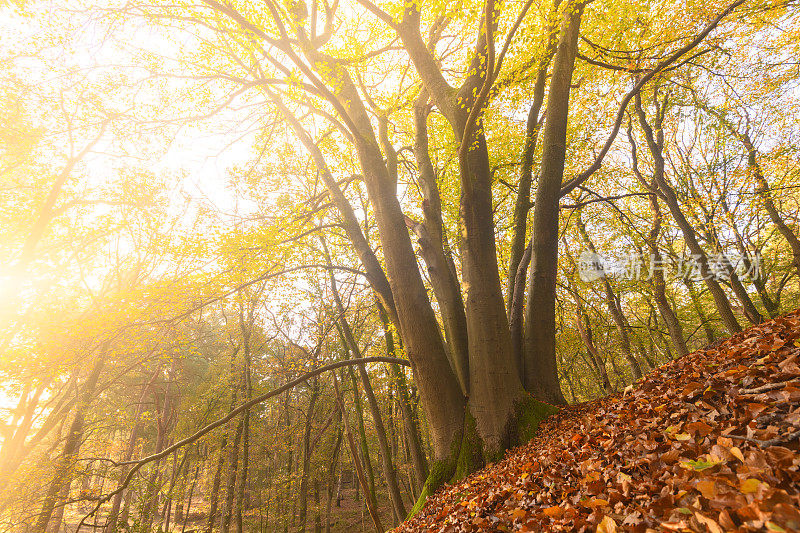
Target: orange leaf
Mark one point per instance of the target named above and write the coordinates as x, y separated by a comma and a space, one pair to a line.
554, 512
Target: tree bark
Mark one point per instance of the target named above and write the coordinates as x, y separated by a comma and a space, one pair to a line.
371, 506
410, 422
657, 274
762, 187
540, 372
389, 473
522, 203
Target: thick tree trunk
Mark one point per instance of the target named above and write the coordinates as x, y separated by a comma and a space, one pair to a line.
436, 252
540, 372
522, 204
443, 399
58, 514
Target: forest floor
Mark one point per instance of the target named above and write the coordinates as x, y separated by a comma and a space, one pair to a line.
707, 442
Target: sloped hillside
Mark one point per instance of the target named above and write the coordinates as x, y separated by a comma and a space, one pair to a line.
708, 442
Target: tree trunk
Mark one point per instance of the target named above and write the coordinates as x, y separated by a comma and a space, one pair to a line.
540, 372
69, 455
698, 307
335, 459
762, 187
230, 485
659, 284
116, 502
443, 400
371, 505
522, 204
306, 457
389, 473
689, 235
614, 308
214, 497
436, 251
410, 422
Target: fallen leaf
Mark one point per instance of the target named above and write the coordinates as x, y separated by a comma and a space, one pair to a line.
607, 525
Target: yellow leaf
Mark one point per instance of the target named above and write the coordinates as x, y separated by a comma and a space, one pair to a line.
712, 525
607, 525
748, 486
736, 452
595, 502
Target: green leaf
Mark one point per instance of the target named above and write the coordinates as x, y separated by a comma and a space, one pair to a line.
699, 465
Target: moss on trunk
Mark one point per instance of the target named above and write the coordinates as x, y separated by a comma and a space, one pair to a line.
468, 456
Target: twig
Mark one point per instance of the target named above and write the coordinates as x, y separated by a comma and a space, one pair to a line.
772, 442
766, 388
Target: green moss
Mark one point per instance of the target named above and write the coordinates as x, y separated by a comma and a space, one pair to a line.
439, 473
530, 413
465, 458
470, 456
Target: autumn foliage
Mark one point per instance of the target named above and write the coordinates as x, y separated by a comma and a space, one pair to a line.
708, 442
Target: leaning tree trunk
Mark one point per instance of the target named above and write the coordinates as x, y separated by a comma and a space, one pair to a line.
435, 249
306, 457
371, 505
762, 187
215, 485
407, 299
113, 515
755, 275
389, 473
585, 332
410, 422
669, 196
659, 284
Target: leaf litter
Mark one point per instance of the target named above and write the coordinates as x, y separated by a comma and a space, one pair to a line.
705, 443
